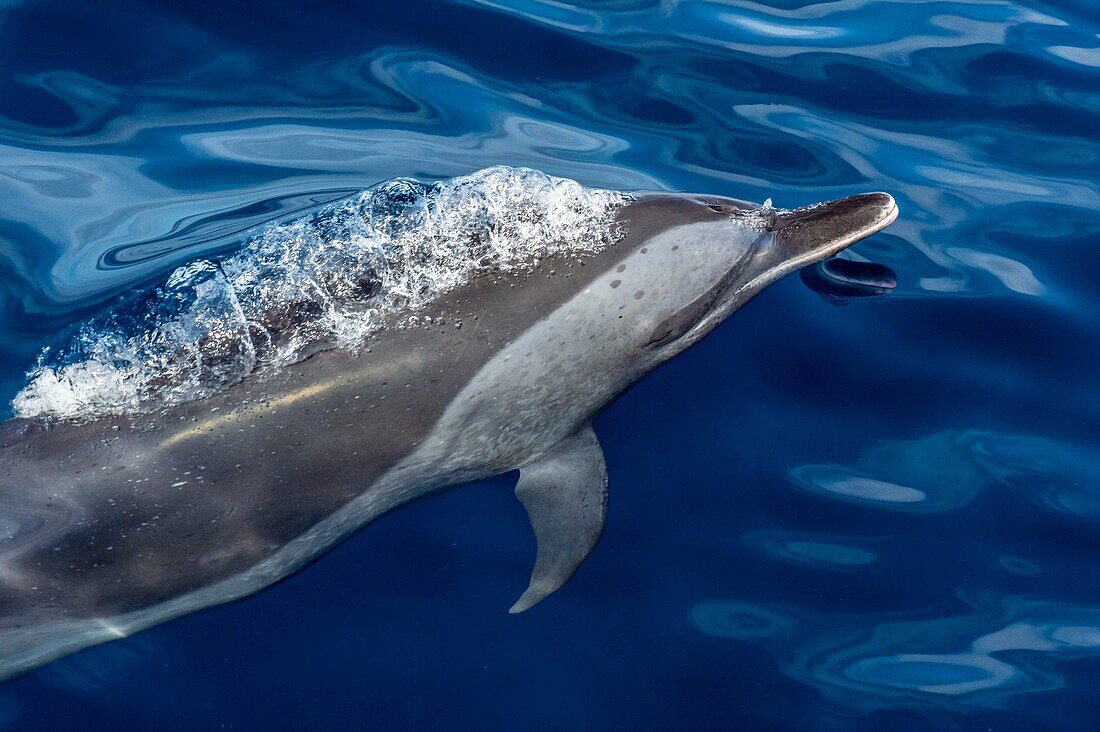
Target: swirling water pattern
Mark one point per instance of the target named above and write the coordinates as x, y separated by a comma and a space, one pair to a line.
879, 515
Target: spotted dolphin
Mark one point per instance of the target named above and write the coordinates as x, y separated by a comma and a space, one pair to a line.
118, 523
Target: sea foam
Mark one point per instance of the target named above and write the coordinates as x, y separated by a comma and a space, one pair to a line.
328, 280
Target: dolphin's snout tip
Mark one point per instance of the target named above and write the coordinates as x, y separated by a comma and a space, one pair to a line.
885, 204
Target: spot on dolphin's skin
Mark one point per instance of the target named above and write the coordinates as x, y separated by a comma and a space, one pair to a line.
639, 294
621, 268
615, 283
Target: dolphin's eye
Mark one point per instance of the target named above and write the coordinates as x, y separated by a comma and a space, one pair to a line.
661, 335
682, 322
718, 209
679, 324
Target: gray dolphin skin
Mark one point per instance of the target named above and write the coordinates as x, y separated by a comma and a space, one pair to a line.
118, 523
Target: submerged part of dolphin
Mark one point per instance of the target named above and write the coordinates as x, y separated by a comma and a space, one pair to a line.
488, 339
838, 279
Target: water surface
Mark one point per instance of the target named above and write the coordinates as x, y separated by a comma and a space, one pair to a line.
884, 514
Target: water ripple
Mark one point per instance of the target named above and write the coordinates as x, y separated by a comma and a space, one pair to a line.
986, 658
937, 440
946, 470
816, 550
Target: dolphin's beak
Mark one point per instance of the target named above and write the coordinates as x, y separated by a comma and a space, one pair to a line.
803, 236
812, 233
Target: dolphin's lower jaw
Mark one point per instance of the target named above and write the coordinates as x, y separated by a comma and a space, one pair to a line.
309, 456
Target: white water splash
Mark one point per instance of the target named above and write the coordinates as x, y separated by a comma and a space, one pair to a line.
324, 281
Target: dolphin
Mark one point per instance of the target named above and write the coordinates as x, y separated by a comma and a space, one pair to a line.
115, 524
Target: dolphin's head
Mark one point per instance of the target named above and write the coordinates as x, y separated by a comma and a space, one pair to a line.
690, 261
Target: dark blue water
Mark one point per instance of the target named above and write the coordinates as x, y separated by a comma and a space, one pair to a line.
880, 515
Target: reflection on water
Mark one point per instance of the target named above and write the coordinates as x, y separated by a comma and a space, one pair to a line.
741, 621
1002, 648
1056, 475
131, 158
946, 470
820, 551
1018, 565
936, 473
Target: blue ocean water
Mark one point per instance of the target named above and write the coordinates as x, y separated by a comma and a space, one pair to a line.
885, 514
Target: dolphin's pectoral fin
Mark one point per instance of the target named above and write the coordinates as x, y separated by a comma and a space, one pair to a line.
565, 494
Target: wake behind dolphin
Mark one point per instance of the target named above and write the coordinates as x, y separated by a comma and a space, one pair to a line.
227, 428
